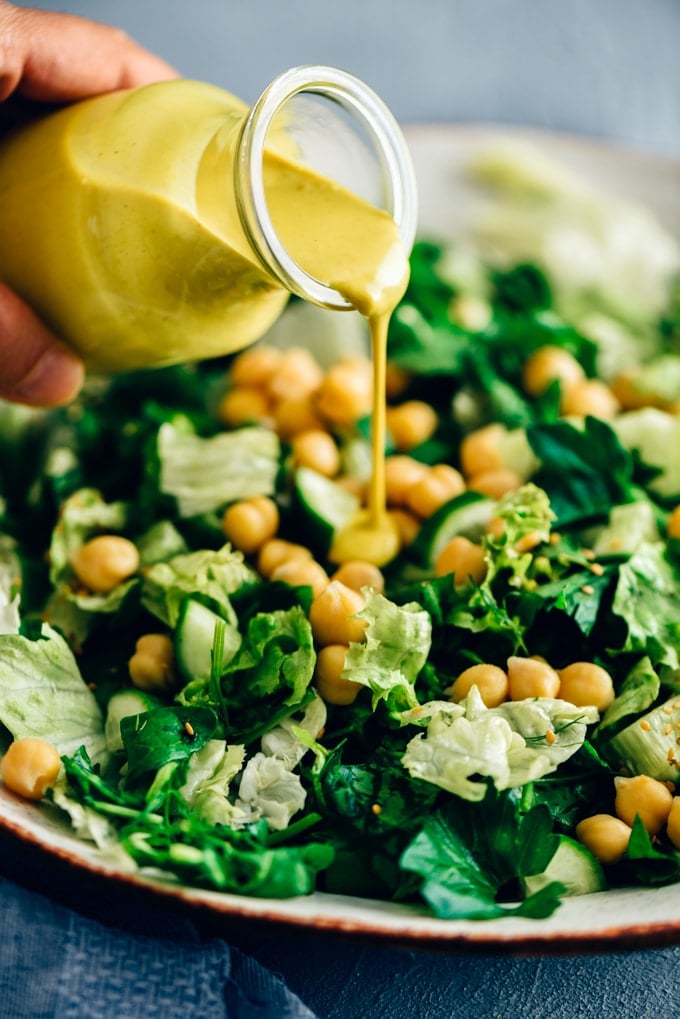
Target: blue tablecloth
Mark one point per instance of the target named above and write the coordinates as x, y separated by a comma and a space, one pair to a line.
75, 949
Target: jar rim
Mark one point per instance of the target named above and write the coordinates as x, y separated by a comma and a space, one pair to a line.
381, 127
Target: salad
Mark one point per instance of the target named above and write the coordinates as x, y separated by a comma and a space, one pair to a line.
483, 726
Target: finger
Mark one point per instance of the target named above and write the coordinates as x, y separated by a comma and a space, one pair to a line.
62, 57
35, 367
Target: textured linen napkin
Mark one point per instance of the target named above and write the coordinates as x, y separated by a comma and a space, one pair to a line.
58, 964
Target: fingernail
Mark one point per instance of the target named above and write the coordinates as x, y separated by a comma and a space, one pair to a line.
54, 379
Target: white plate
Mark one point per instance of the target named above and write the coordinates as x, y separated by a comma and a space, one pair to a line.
615, 919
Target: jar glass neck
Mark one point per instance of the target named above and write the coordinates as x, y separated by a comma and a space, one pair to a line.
378, 125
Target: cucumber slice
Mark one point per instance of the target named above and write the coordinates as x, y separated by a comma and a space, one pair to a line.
325, 507
629, 526
648, 745
656, 436
194, 638
574, 866
120, 706
467, 514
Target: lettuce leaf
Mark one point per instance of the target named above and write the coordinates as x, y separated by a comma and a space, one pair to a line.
396, 647
203, 474
214, 575
43, 694
513, 744
646, 598
10, 582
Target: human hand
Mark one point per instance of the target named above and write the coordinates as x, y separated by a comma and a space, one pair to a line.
47, 57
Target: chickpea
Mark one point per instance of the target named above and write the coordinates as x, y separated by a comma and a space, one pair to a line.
480, 450
673, 525
464, 559
243, 405
353, 485
293, 415
470, 312
104, 562
317, 449
440, 484
549, 364
277, 551
332, 615
358, 573
590, 397
491, 682
255, 366
629, 395
645, 797
605, 836
301, 572
298, 374
396, 380
495, 483
407, 525
248, 524
496, 528
402, 472
583, 683
411, 423
332, 686
152, 666
30, 767
531, 677
346, 392
673, 822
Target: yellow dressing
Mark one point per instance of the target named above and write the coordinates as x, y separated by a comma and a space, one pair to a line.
119, 224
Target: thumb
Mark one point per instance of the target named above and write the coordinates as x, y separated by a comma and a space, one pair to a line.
35, 367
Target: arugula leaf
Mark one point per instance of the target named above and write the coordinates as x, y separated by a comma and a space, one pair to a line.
203, 854
466, 854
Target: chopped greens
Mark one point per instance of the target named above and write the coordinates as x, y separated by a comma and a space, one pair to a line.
245, 764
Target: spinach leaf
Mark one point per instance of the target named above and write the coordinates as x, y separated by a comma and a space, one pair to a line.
584, 471
467, 853
153, 738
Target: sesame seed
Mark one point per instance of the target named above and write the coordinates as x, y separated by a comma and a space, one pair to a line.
189, 729
668, 729
587, 589
376, 808
550, 736
644, 724
597, 569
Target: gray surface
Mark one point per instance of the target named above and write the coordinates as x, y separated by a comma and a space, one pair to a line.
609, 68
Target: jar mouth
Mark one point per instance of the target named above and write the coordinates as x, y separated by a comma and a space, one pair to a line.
381, 128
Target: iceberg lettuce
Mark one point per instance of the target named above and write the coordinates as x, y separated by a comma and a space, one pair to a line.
43, 694
512, 744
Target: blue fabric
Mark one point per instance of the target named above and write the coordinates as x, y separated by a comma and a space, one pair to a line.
58, 964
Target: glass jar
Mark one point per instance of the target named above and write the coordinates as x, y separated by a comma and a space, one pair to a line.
139, 225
